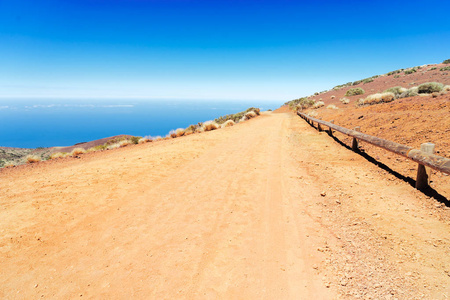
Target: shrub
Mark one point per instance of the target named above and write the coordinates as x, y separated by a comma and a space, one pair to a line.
237, 116
395, 72
447, 61
210, 125
333, 96
396, 76
345, 100
433, 68
58, 155
410, 71
228, 123
409, 93
135, 139
318, 104
354, 91
446, 88
250, 115
430, 87
9, 165
158, 138
396, 90
191, 129
143, 140
172, 134
445, 69
180, 132
77, 151
379, 98
124, 143
33, 159
332, 106
303, 103
313, 113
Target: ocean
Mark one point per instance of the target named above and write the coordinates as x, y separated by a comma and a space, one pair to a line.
36, 123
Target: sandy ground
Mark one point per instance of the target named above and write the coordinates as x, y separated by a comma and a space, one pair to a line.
267, 209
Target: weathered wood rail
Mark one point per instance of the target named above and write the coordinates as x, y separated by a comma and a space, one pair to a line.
423, 157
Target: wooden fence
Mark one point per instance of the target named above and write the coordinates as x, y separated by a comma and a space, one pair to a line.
424, 157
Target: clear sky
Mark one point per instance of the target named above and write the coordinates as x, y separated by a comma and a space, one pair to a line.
268, 50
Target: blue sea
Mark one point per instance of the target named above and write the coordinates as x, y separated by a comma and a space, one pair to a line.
45, 123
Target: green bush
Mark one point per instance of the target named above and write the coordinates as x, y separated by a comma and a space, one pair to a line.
409, 93
430, 87
433, 68
445, 69
354, 91
237, 116
395, 72
410, 71
135, 139
447, 61
396, 90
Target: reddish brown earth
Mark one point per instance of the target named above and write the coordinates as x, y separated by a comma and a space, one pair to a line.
269, 208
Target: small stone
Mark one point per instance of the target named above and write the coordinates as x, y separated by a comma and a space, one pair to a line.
323, 194
36, 285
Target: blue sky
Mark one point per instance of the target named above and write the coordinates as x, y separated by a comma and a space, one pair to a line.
262, 50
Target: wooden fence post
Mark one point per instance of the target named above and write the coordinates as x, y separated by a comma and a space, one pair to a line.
319, 127
331, 131
424, 173
355, 141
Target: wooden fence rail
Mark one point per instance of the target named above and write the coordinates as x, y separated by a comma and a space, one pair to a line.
424, 156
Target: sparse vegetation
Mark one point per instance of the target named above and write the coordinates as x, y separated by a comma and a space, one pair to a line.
395, 72
332, 106
33, 159
237, 116
447, 61
354, 91
318, 104
410, 71
135, 139
396, 90
409, 93
445, 69
377, 98
430, 87
228, 123
433, 68
210, 125
345, 100
77, 151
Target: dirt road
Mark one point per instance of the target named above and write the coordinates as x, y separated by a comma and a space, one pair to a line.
266, 209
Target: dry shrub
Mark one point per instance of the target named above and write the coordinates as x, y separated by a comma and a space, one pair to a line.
210, 125
333, 96
345, 100
124, 143
158, 138
172, 134
250, 114
318, 104
257, 111
379, 98
113, 146
58, 155
143, 140
446, 88
33, 159
77, 151
228, 123
313, 113
332, 106
9, 165
180, 132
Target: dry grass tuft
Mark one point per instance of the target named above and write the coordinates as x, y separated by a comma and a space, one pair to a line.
210, 125
77, 151
143, 140
58, 155
250, 115
180, 132
9, 165
345, 100
318, 104
124, 143
228, 123
33, 159
172, 134
158, 138
332, 106
333, 96
379, 98
446, 88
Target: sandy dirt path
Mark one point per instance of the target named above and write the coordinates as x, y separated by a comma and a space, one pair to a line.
233, 213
